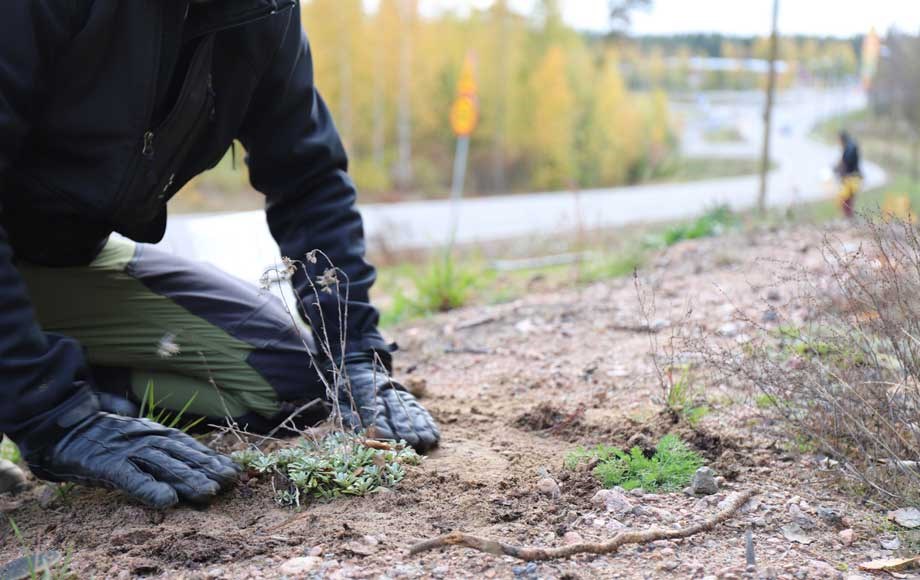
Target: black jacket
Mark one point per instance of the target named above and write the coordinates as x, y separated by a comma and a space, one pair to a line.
849, 163
107, 108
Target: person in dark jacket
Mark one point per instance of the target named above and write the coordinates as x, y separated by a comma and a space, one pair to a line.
849, 174
107, 108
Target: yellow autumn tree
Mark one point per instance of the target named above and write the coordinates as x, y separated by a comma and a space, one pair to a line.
552, 123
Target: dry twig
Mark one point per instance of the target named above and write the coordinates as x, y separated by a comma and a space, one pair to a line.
610, 546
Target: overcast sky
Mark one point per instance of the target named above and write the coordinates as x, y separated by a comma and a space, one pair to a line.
742, 17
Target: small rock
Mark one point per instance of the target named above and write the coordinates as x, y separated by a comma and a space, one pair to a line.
794, 533
819, 569
751, 506
315, 551
799, 517
638, 492
704, 482
300, 566
215, 573
729, 330
890, 542
847, 536
572, 538
11, 476
668, 566
440, 571
831, 516
614, 501
906, 517
549, 487
525, 326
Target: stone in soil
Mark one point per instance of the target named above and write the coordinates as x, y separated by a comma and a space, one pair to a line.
612, 500
847, 536
794, 533
300, 566
906, 517
11, 477
890, 542
704, 482
548, 487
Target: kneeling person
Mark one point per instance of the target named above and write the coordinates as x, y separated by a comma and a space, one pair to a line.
88, 320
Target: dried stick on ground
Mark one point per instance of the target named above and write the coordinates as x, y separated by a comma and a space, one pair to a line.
608, 547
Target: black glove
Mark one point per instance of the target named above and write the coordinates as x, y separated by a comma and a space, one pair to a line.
371, 400
157, 465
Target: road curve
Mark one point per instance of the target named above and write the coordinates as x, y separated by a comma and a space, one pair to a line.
240, 243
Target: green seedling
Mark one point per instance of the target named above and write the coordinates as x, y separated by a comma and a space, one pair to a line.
670, 468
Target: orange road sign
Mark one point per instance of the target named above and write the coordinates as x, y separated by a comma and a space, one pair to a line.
464, 116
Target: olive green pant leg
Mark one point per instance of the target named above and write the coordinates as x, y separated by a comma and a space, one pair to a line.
122, 323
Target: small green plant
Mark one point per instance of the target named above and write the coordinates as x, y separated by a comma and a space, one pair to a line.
713, 223
339, 464
681, 400
610, 267
9, 451
444, 286
153, 409
670, 467
765, 401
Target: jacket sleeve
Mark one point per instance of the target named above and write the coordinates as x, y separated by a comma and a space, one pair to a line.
39, 373
297, 160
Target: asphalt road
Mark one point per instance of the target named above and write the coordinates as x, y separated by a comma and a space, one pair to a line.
240, 242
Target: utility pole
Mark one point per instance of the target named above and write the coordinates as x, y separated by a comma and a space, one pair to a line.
768, 111
407, 12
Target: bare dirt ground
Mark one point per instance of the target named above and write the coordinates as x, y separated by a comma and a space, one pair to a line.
516, 387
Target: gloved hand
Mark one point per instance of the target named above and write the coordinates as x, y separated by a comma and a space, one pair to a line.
157, 465
371, 400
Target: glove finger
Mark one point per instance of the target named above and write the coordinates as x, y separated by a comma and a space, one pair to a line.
139, 484
219, 465
398, 416
208, 463
191, 485
423, 424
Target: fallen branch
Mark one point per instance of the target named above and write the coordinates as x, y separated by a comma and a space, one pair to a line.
608, 547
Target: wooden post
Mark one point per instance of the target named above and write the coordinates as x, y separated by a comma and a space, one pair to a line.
768, 111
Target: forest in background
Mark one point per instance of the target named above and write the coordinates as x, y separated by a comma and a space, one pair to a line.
558, 109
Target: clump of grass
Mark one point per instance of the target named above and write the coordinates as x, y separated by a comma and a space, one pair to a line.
681, 399
153, 409
670, 468
444, 284
610, 267
713, 223
338, 465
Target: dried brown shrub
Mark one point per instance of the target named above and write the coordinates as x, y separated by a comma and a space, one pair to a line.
849, 380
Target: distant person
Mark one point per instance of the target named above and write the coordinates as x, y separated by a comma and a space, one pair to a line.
849, 174
107, 108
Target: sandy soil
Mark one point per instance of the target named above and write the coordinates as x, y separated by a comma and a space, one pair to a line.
516, 387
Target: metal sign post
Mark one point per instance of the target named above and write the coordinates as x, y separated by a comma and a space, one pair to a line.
464, 116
